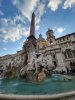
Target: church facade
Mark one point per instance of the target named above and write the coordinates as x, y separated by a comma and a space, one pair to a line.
59, 52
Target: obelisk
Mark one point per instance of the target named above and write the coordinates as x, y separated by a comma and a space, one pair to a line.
31, 38
32, 27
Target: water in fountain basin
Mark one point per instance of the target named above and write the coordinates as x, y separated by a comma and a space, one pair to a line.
51, 85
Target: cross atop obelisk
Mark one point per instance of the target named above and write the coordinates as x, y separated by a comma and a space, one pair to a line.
32, 27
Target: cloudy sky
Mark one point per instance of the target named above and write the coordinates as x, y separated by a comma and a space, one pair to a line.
15, 17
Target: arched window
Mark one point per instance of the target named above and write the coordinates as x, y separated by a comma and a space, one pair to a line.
53, 56
49, 35
69, 53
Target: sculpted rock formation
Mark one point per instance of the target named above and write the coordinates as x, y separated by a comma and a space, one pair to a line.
41, 75
36, 69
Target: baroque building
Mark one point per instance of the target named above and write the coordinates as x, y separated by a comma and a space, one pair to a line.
58, 52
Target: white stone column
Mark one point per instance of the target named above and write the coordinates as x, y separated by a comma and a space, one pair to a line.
60, 59
49, 60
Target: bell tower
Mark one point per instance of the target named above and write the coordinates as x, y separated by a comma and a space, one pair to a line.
50, 36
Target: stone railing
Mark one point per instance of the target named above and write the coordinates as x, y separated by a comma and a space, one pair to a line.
61, 96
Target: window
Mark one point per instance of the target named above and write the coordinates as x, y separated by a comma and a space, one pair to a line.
53, 56
67, 38
49, 35
63, 39
65, 55
69, 53
73, 53
51, 46
60, 40
70, 43
62, 45
66, 45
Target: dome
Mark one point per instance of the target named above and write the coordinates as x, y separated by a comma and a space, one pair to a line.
40, 38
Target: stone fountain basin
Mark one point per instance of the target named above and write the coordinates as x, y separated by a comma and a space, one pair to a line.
60, 96
69, 95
